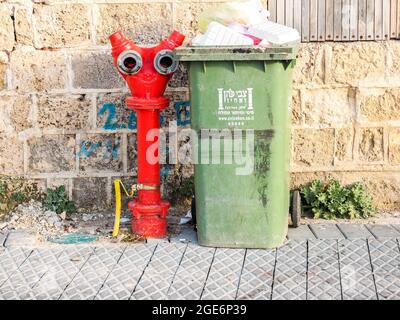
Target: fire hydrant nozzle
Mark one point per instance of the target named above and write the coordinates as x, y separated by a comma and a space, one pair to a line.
147, 72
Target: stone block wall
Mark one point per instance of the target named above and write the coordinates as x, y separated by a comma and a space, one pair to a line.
63, 119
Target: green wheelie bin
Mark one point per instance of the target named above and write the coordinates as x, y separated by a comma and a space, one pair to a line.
240, 99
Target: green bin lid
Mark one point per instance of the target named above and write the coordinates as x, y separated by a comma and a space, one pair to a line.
237, 53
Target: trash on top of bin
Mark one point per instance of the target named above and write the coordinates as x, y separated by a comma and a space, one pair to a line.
242, 23
244, 12
218, 34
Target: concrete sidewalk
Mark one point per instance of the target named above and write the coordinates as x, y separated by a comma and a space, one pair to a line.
318, 262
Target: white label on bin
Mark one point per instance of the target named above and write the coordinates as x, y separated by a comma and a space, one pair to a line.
235, 106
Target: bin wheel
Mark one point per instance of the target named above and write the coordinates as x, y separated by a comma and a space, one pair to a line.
193, 210
296, 209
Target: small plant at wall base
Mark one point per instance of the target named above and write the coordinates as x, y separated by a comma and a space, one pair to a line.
15, 191
57, 200
334, 201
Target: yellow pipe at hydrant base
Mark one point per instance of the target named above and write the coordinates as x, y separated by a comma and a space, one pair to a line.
117, 186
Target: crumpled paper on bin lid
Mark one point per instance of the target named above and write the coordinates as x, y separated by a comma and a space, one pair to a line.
219, 35
244, 12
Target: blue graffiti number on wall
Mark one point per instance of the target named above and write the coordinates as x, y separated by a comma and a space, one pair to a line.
111, 124
89, 148
109, 112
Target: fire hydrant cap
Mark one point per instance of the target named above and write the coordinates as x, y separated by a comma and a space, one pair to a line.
117, 38
177, 37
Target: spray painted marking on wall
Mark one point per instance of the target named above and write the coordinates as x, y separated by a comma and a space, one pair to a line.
109, 112
109, 147
165, 171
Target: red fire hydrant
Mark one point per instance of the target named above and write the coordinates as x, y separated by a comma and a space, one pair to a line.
147, 72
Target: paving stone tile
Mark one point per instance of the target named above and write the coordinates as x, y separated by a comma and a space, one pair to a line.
191, 276
125, 275
158, 275
223, 280
323, 270
383, 231
20, 239
356, 272
355, 231
88, 281
291, 272
20, 284
10, 260
362, 269
257, 275
3, 237
326, 231
385, 257
62, 272
303, 232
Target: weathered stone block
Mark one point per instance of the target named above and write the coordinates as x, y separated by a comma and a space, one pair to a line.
64, 112
180, 78
394, 47
370, 148
7, 28
296, 107
112, 113
95, 70
299, 179
141, 22
38, 70
15, 113
187, 171
176, 111
384, 189
100, 152
3, 76
344, 144
380, 104
56, 182
132, 153
61, 25
328, 107
11, 155
90, 193
314, 147
53, 153
357, 61
187, 15
394, 145
310, 67
23, 26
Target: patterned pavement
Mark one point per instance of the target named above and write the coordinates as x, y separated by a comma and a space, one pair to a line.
362, 263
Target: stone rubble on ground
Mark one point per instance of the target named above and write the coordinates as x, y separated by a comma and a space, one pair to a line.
34, 218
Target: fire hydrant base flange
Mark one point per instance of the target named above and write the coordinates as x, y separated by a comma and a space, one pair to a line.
149, 221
